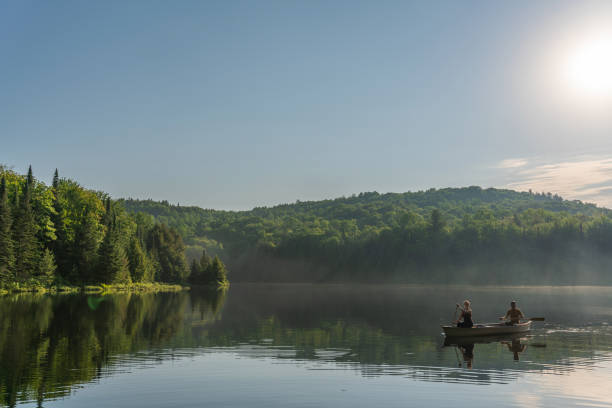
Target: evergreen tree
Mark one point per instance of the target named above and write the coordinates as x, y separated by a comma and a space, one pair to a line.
114, 265
7, 257
25, 228
107, 220
46, 268
218, 271
169, 251
55, 183
30, 178
61, 246
140, 266
84, 264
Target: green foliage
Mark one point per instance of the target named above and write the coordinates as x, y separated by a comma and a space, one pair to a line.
68, 235
141, 267
208, 271
218, 271
24, 232
166, 246
7, 256
114, 267
413, 236
46, 268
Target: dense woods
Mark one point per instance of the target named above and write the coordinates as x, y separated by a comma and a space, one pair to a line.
446, 235
67, 235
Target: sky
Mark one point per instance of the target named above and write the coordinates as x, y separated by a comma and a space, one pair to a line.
236, 104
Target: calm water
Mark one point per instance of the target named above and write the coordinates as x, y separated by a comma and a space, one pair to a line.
302, 346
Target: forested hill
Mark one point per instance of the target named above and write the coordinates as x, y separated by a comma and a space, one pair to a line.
453, 234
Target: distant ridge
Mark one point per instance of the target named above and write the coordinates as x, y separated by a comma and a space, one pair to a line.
396, 235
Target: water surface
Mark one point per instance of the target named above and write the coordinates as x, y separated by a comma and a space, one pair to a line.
303, 345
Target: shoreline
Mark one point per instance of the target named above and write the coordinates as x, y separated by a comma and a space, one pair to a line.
97, 289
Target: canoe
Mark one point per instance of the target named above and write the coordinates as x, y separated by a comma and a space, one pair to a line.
488, 329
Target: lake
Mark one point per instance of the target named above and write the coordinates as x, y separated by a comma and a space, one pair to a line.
299, 345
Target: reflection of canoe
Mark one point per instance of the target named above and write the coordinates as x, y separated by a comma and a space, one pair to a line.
466, 340
489, 329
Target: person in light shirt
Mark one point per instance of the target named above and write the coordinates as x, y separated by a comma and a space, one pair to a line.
513, 315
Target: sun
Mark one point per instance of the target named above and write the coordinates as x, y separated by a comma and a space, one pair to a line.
589, 65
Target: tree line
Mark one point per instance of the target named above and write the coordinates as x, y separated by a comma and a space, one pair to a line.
475, 234
64, 234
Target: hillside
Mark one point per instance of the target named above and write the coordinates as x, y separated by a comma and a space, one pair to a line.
408, 237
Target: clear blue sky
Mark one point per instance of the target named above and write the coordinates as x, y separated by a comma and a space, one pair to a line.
235, 104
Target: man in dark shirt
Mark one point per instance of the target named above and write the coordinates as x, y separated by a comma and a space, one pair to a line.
514, 314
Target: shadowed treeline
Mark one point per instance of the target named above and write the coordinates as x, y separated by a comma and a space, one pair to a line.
454, 235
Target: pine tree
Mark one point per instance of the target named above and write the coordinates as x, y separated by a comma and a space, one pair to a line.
46, 268
85, 250
55, 184
30, 177
26, 244
219, 273
113, 264
200, 270
60, 246
169, 251
7, 257
107, 219
140, 266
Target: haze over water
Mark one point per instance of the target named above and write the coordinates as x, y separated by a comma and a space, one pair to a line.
303, 345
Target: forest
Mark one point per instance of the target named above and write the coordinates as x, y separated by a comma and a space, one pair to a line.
66, 235
439, 235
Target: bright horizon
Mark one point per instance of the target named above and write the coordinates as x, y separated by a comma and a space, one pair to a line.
233, 106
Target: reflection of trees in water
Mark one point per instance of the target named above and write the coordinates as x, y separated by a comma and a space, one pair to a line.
380, 331
50, 343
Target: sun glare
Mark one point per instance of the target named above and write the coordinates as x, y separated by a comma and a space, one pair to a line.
589, 65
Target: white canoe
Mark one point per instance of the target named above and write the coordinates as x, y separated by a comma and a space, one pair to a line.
489, 329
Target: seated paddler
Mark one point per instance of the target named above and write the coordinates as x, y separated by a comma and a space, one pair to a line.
465, 319
513, 315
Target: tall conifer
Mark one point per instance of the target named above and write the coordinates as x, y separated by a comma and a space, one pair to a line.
114, 265
55, 184
219, 272
85, 250
61, 247
7, 257
26, 243
140, 265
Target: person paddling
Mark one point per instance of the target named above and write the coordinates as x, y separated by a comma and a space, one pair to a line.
513, 315
466, 315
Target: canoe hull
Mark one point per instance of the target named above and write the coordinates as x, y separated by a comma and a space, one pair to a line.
486, 330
